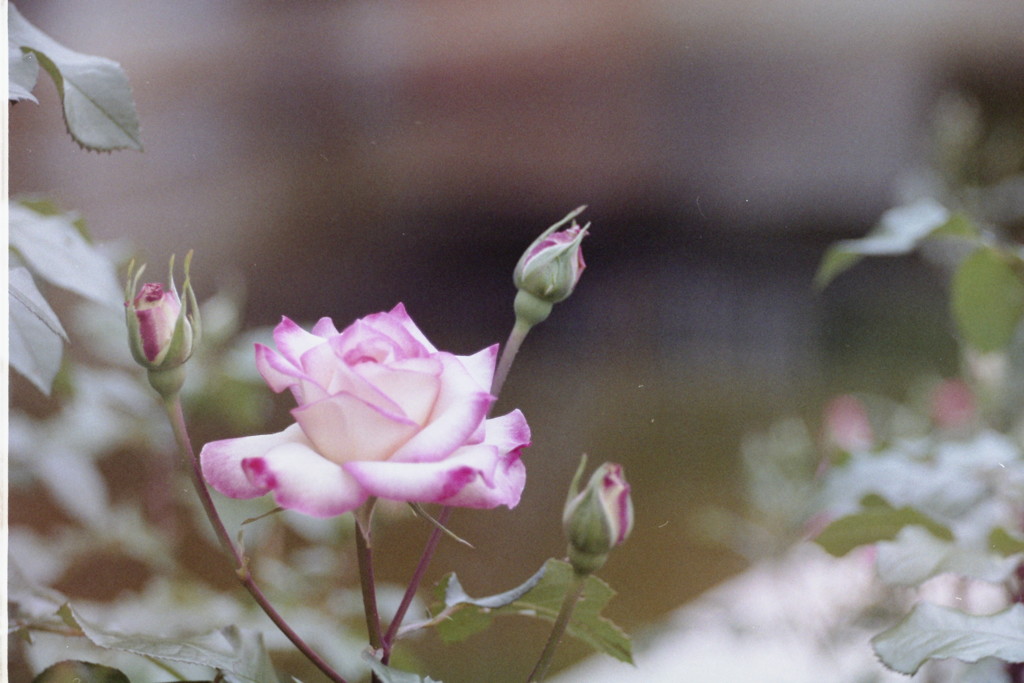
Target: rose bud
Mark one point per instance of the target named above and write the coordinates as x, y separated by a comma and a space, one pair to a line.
549, 270
162, 330
597, 519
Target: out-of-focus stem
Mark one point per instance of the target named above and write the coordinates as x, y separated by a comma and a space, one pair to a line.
177, 418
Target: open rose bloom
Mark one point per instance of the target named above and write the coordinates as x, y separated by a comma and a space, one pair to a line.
381, 412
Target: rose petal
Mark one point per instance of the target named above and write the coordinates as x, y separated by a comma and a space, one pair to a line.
481, 476
458, 413
278, 371
292, 341
414, 385
221, 461
399, 314
505, 488
480, 365
302, 480
435, 482
344, 428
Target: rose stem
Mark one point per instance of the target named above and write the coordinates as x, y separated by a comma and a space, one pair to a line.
572, 596
414, 582
177, 418
508, 354
364, 553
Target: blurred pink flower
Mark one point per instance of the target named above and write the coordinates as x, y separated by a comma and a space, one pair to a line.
953, 405
381, 412
847, 425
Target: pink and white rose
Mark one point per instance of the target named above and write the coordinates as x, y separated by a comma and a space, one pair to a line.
381, 412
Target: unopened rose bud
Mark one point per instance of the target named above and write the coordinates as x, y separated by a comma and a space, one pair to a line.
163, 329
549, 270
597, 519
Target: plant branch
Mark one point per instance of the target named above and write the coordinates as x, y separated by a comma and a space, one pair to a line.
572, 596
364, 553
414, 583
241, 563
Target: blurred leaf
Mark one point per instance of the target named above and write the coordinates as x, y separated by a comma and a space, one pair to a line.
239, 653
915, 555
542, 598
35, 334
80, 672
987, 299
933, 632
1002, 542
876, 522
98, 107
388, 675
54, 249
22, 73
899, 231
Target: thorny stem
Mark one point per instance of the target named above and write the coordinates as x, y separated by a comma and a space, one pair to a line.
177, 418
572, 596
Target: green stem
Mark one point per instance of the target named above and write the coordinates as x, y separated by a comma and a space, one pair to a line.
508, 354
572, 596
177, 419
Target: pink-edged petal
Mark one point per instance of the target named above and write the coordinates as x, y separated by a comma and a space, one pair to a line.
434, 482
325, 328
221, 461
504, 488
458, 413
302, 480
292, 341
399, 314
480, 365
508, 432
278, 371
344, 428
508, 435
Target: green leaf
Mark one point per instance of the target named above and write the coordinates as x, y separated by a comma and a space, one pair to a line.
388, 675
239, 653
35, 334
934, 632
54, 249
80, 672
1002, 542
877, 522
899, 231
543, 597
987, 299
98, 107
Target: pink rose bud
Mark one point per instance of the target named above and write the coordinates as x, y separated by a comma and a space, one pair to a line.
597, 519
549, 270
162, 332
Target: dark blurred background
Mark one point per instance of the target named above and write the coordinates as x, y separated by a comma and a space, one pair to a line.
339, 157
